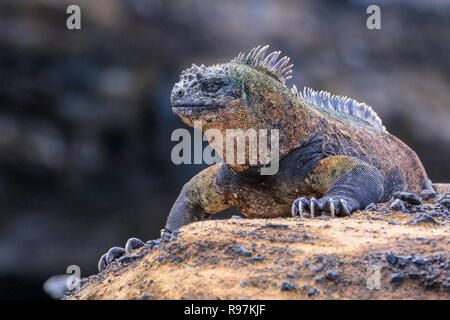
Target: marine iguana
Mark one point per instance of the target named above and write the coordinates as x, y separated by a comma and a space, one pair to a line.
335, 154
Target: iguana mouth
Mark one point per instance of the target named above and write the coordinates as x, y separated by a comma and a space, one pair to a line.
193, 110
189, 107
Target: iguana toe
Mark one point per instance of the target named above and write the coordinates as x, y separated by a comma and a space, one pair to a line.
102, 263
344, 206
117, 252
106, 259
114, 253
299, 206
313, 207
133, 244
338, 205
335, 206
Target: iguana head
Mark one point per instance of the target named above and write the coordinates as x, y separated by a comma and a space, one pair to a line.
206, 93
240, 94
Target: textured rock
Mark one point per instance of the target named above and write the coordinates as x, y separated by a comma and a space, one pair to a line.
398, 205
408, 197
427, 194
304, 259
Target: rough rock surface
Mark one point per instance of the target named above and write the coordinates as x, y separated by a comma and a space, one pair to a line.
291, 258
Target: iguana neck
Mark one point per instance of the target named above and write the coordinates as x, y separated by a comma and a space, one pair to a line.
294, 123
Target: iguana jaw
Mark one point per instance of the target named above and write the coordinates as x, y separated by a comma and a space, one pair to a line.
194, 107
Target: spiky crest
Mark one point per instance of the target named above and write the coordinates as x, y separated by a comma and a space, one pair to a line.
324, 99
270, 63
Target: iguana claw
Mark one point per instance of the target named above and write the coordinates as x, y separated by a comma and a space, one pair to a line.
335, 206
117, 252
298, 206
133, 244
114, 253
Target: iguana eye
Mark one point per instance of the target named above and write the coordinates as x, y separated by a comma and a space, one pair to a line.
211, 87
180, 92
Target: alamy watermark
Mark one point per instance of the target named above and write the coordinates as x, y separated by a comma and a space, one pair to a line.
374, 20
74, 280
73, 21
234, 146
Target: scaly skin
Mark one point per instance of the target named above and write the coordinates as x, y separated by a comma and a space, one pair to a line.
341, 160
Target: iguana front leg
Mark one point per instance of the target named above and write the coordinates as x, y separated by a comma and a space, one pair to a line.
347, 184
199, 198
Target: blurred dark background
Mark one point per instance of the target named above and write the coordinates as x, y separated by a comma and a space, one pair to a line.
85, 119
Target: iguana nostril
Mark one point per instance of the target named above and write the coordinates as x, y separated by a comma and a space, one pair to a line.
180, 92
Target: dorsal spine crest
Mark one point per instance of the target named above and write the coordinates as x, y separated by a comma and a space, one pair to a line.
324, 99
270, 63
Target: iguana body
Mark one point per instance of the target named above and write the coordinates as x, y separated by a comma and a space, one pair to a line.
331, 148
